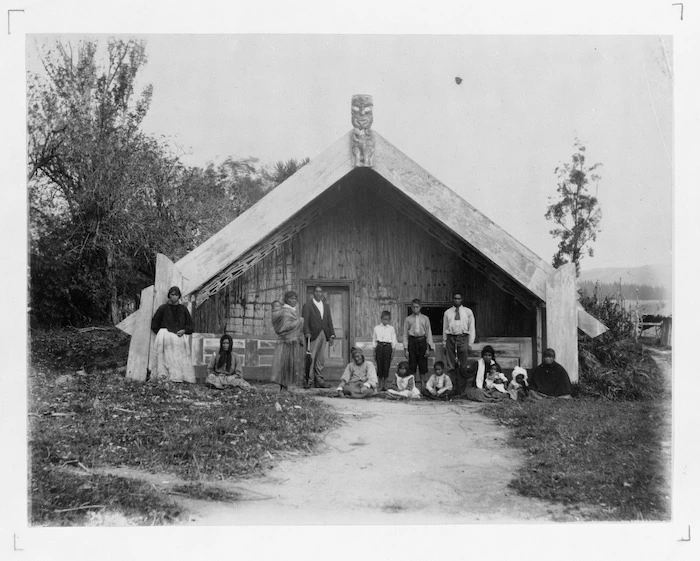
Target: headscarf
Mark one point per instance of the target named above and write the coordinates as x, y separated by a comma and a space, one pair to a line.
225, 356
549, 352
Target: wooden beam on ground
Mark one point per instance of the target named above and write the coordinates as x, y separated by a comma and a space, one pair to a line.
139, 347
562, 317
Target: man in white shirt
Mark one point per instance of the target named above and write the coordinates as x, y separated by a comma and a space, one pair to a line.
459, 331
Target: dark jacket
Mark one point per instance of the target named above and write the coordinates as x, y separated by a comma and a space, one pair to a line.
313, 324
173, 318
550, 379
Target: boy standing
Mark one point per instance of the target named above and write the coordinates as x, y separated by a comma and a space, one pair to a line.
417, 340
384, 342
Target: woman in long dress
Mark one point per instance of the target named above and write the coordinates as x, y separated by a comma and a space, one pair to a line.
172, 360
290, 340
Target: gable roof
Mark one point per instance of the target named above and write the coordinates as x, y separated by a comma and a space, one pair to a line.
287, 200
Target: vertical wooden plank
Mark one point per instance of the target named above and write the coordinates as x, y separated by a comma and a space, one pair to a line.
562, 318
140, 345
539, 334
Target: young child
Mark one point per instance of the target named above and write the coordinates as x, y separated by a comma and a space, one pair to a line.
384, 342
417, 340
496, 380
405, 382
518, 385
439, 385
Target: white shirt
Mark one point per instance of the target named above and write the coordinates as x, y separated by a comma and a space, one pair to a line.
384, 334
319, 305
462, 326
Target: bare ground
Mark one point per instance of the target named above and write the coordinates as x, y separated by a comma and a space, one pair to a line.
389, 463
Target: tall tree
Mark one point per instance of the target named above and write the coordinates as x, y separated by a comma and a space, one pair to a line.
576, 211
85, 156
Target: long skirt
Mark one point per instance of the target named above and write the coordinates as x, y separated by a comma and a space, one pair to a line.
285, 363
172, 358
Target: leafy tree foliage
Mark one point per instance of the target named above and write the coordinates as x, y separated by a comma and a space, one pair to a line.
576, 213
104, 197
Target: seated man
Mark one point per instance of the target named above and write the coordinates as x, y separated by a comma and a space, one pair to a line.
550, 379
360, 377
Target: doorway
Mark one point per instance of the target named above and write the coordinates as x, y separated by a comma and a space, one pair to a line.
338, 295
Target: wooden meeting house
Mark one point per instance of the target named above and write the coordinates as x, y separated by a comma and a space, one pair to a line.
375, 230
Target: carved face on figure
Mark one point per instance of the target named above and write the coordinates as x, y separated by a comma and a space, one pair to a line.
361, 115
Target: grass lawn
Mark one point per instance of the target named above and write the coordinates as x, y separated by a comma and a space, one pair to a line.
101, 419
603, 459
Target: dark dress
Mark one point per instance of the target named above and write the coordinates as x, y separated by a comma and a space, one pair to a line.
550, 379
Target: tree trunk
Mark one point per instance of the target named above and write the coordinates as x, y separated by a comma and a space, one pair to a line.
112, 283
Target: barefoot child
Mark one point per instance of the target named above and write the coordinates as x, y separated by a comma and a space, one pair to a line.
417, 340
384, 343
405, 382
439, 385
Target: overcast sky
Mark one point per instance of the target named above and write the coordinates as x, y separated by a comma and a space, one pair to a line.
495, 138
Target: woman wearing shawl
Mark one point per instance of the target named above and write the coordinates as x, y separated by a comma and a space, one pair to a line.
290, 339
550, 379
360, 377
171, 356
225, 367
476, 375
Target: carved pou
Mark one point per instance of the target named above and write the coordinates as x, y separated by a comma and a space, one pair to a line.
362, 135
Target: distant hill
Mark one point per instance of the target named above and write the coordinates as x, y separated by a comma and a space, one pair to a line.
651, 275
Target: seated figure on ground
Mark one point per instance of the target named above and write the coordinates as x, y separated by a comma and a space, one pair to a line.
405, 382
360, 377
518, 386
549, 379
225, 367
439, 385
495, 379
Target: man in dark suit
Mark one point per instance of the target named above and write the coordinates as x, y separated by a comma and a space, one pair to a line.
318, 329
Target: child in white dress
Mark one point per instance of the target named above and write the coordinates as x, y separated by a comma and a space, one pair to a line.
518, 385
405, 382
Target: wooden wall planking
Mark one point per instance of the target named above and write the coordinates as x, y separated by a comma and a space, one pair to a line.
390, 258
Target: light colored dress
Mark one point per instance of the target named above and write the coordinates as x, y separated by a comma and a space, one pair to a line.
172, 360
403, 385
491, 383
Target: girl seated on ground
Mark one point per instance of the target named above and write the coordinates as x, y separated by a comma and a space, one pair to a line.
550, 379
518, 386
225, 367
439, 385
360, 377
405, 382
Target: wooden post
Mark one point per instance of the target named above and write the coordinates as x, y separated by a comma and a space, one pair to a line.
539, 334
139, 348
562, 317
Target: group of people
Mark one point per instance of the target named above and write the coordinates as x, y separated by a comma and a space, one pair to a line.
310, 333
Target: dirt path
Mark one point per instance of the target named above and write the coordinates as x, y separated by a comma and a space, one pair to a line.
395, 463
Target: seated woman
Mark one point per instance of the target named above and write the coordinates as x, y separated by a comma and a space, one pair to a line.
360, 377
289, 327
171, 356
476, 376
225, 367
549, 379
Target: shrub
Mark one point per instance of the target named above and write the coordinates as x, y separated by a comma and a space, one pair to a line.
614, 365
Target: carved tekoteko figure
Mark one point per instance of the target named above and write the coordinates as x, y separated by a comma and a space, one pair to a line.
362, 135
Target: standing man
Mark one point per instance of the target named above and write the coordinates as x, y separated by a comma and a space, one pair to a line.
459, 331
318, 329
417, 340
